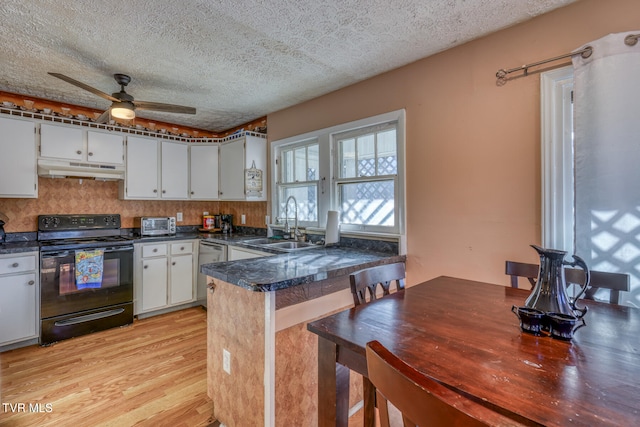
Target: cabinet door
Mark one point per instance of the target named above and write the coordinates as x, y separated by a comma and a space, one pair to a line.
142, 168
61, 142
175, 170
181, 280
154, 283
17, 307
204, 172
18, 174
232, 170
105, 147
256, 153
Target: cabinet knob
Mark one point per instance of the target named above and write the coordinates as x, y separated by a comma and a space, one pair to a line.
192, 192
182, 248
146, 266
78, 152
155, 191
90, 154
32, 282
164, 191
155, 250
15, 265
173, 263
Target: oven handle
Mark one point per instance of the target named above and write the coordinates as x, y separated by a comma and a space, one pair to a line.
111, 249
89, 317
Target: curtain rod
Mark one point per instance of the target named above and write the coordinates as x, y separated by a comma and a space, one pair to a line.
630, 40
502, 73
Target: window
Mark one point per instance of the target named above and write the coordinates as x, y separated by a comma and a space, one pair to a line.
366, 178
356, 168
613, 233
299, 177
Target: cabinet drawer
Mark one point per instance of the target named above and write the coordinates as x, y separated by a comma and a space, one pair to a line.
181, 248
17, 264
154, 250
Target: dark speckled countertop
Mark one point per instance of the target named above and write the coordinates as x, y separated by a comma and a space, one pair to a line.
281, 271
285, 270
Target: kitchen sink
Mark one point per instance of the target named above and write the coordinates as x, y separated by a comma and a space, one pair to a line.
259, 242
292, 246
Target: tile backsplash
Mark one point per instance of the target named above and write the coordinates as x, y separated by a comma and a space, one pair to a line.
75, 196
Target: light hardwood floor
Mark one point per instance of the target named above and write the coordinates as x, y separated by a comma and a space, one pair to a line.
152, 373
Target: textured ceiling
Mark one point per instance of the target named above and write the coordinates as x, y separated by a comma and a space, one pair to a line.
234, 60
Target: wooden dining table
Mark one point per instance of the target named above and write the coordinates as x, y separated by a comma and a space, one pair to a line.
464, 334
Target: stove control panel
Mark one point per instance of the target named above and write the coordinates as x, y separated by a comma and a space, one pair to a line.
78, 222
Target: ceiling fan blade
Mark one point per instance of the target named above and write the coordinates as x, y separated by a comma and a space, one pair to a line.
85, 87
167, 108
103, 117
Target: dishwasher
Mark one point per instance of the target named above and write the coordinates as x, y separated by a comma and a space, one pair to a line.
209, 252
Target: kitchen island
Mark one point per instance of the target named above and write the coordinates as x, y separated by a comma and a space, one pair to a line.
257, 315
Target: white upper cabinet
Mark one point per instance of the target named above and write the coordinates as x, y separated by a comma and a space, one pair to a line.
105, 147
142, 174
203, 172
232, 170
62, 142
77, 144
18, 170
236, 157
175, 170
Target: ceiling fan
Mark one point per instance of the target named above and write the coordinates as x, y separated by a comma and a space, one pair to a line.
123, 105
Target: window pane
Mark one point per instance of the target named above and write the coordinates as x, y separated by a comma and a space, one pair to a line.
387, 153
348, 158
313, 162
307, 200
301, 164
367, 203
287, 166
366, 155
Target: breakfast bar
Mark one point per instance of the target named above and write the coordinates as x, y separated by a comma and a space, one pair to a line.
258, 346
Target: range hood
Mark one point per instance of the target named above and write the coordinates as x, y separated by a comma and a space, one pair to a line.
49, 168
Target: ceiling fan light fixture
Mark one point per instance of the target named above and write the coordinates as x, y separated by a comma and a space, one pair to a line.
123, 110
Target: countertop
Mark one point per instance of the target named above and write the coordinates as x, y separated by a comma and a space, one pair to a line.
281, 271
285, 270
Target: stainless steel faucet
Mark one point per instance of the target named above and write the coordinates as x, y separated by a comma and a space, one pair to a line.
287, 228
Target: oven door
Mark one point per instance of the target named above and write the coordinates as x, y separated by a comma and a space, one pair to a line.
60, 294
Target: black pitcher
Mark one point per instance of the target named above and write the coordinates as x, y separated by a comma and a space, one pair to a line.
550, 292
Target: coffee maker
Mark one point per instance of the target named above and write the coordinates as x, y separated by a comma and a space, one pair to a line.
226, 223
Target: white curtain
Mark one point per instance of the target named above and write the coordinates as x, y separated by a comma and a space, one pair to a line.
607, 158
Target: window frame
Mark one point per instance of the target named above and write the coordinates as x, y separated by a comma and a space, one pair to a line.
327, 184
339, 180
557, 159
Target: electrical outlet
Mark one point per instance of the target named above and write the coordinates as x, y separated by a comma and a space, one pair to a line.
267, 219
226, 361
179, 217
243, 219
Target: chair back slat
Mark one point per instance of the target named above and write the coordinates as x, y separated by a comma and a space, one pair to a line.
365, 283
520, 269
614, 282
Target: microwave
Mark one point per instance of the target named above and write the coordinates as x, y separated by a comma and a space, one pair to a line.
155, 226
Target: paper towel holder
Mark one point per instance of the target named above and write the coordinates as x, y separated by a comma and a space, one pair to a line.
332, 231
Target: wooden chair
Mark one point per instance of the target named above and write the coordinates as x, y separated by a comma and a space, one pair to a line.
614, 282
422, 400
521, 269
366, 281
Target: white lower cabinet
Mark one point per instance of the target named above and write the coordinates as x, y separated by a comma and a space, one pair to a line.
165, 274
19, 296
